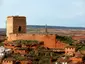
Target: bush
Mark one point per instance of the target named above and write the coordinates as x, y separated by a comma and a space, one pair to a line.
65, 39
18, 57
1, 44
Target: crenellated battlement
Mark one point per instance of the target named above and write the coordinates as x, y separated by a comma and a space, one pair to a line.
49, 39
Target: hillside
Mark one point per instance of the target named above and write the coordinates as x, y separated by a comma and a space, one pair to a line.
60, 30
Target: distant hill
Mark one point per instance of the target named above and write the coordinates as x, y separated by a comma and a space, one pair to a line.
2, 31
63, 31
54, 27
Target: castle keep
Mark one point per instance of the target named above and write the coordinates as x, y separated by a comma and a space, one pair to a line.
16, 30
16, 24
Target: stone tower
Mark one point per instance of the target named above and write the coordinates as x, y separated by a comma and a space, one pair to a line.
16, 24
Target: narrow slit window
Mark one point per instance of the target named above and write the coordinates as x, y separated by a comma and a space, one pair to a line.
19, 29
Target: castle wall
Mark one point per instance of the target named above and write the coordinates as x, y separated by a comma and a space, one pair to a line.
16, 30
49, 40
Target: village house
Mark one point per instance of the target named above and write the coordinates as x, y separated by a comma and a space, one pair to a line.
11, 60
26, 62
8, 61
62, 60
76, 60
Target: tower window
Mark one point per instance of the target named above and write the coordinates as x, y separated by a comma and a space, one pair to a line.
19, 29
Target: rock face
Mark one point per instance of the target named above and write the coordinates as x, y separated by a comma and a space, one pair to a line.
3, 51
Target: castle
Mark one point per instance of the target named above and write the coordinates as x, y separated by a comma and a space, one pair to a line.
16, 30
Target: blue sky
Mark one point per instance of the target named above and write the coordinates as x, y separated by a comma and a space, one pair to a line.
41, 12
